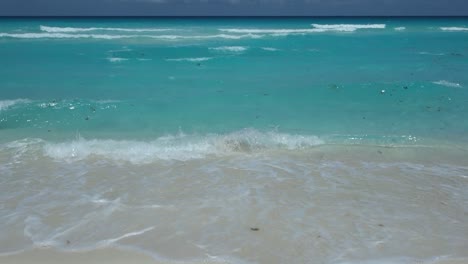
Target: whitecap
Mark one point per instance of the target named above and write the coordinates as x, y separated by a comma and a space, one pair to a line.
115, 59
268, 31
191, 59
448, 84
230, 49
62, 36
75, 29
430, 53
347, 27
110, 37
454, 28
269, 49
222, 36
400, 28
5, 104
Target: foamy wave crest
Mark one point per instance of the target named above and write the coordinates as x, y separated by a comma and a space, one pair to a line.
5, 104
61, 36
75, 29
268, 31
430, 53
347, 27
230, 49
179, 147
454, 28
269, 49
191, 59
116, 59
448, 84
106, 36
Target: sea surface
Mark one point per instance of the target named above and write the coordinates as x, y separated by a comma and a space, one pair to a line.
236, 140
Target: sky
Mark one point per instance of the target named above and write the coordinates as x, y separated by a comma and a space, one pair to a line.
233, 7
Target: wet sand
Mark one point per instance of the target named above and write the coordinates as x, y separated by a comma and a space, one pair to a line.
118, 256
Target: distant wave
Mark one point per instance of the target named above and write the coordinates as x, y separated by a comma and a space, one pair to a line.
75, 29
106, 36
179, 147
230, 49
236, 33
317, 28
400, 28
454, 28
347, 27
61, 36
115, 59
268, 31
191, 59
5, 104
431, 53
448, 84
269, 49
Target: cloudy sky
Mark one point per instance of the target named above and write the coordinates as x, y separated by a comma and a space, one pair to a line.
232, 7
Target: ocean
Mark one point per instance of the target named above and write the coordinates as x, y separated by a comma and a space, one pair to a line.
236, 140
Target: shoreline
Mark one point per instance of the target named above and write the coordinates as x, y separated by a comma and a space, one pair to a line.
120, 256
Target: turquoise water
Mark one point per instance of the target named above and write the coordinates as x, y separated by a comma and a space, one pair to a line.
144, 78
340, 140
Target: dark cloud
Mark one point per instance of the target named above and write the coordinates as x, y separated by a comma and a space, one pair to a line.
233, 7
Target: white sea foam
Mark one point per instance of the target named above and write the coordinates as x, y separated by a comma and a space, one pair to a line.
191, 59
131, 234
107, 36
454, 28
179, 147
268, 31
115, 59
196, 37
230, 49
448, 84
5, 104
400, 28
347, 27
269, 49
430, 53
317, 28
75, 29
62, 36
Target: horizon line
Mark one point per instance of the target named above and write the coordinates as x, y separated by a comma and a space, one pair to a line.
233, 16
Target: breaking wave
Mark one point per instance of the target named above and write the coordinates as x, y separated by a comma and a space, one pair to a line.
347, 27
191, 59
107, 36
230, 49
116, 59
448, 84
5, 104
173, 147
454, 28
75, 29
268, 31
